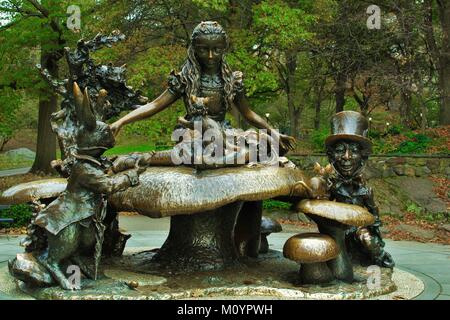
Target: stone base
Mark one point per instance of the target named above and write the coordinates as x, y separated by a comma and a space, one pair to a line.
270, 276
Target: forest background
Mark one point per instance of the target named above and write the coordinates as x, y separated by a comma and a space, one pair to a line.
302, 62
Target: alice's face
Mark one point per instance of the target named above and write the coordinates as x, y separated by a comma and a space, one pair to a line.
209, 50
347, 158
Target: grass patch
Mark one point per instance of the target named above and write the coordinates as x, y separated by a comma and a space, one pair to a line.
275, 204
420, 214
7, 163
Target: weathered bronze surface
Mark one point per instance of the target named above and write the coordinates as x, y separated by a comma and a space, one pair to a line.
310, 248
349, 125
204, 241
27, 268
348, 149
270, 276
33, 191
71, 228
347, 214
166, 191
215, 208
268, 226
207, 86
333, 219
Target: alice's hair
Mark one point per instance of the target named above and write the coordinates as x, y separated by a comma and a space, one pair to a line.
191, 71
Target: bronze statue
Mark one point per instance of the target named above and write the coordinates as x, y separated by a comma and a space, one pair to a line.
348, 148
71, 228
78, 224
205, 74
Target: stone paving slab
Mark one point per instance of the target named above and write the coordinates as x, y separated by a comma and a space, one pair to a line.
429, 262
445, 288
13, 172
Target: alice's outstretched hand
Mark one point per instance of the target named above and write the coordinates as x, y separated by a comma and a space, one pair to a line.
287, 143
115, 128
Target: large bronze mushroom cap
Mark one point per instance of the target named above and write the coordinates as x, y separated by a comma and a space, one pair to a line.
167, 191
33, 191
344, 213
310, 248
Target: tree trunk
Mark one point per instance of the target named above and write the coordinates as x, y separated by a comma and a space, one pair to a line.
405, 107
339, 92
294, 112
444, 63
440, 57
46, 139
318, 104
317, 115
444, 84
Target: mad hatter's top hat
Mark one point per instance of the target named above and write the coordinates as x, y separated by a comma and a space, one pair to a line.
349, 125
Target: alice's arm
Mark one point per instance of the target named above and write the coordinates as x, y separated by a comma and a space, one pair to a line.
252, 117
286, 142
146, 111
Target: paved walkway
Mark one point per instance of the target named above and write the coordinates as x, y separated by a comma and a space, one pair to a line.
13, 172
429, 262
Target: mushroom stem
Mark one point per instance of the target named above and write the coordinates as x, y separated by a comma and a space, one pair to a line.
341, 267
264, 245
201, 241
315, 273
248, 229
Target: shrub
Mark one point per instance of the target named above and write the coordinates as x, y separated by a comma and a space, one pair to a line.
21, 214
396, 129
275, 204
417, 143
318, 138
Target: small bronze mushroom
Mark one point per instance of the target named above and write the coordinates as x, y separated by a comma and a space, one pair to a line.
34, 191
312, 250
333, 219
268, 226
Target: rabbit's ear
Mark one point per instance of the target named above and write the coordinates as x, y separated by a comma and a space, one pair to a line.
84, 111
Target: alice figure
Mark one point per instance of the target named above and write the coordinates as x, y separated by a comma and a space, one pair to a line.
205, 74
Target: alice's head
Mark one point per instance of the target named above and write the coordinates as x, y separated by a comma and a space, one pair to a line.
208, 45
206, 54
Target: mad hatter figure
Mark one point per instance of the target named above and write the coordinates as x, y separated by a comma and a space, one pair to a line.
348, 148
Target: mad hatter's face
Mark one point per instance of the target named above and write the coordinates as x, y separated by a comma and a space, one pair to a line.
347, 158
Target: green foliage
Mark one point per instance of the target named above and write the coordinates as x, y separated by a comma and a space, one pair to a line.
318, 138
413, 208
420, 214
417, 143
219, 5
7, 162
9, 102
397, 129
21, 214
379, 146
159, 128
282, 24
275, 204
